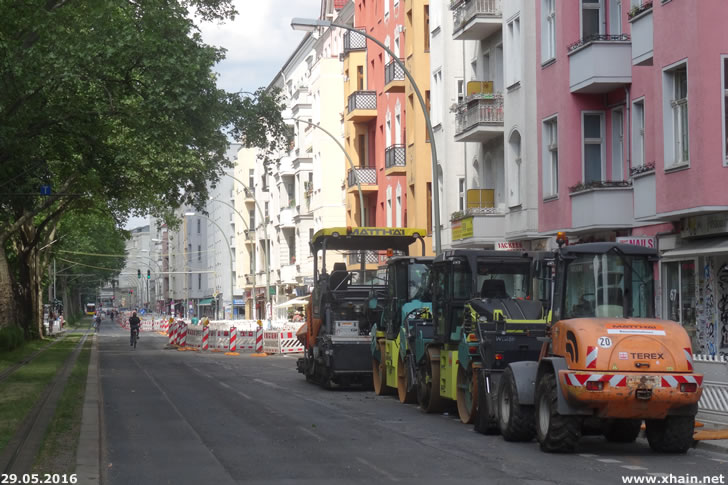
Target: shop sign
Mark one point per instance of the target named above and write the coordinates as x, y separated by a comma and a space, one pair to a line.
705, 225
462, 229
644, 241
238, 302
509, 246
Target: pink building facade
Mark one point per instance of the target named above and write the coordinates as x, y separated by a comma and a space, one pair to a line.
633, 145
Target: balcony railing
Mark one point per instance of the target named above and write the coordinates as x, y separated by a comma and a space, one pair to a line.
393, 72
480, 109
354, 41
371, 257
465, 11
395, 156
362, 100
598, 37
366, 176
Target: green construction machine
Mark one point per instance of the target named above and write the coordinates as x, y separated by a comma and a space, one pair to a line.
488, 307
393, 340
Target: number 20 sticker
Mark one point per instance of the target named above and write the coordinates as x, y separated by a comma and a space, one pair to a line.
605, 342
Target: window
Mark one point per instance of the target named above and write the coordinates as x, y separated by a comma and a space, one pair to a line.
513, 47
725, 110
548, 30
498, 75
591, 18
550, 157
675, 115
460, 90
429, 207
359, 78
397, 123
428, 107
199, 252
638, 133
251, 179
199, 281
362, 150
396, 44
386, 8
388, 129
679, 292
427, 28
436, 113
593, 150
461, 194
251, 219
387, 44
198, 226
514, 172
618, 144
398, 207
389, 206
615, 17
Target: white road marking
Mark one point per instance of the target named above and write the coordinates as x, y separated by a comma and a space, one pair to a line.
306, 430
377, 469
634, 467
608, 460
267, 383
587, 455
245, 396
719, 460
226, 386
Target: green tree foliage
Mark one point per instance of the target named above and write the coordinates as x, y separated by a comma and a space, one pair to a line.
115, 106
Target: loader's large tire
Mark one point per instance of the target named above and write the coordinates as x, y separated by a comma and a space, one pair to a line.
403, 383
555, 433
674, 434
428, 384
485, 421
621, 430
466, 394
516, 421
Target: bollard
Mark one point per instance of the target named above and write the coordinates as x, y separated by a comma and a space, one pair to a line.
233, 339
259, 340
183, 335
205, 338
173, 333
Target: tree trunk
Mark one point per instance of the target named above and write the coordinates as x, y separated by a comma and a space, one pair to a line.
7, 297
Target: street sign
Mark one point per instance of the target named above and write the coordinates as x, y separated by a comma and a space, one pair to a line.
45, 190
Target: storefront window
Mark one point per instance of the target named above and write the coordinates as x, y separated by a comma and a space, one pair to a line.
679, 296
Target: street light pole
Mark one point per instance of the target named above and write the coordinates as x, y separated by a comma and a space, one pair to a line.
312, 24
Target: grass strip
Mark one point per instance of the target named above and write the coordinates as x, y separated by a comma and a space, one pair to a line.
9, 359
20, 391
58, 451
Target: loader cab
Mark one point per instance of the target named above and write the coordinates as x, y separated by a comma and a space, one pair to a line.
407, 282
604, 280
459, 276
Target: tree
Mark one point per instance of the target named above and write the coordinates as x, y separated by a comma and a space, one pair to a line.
117, 109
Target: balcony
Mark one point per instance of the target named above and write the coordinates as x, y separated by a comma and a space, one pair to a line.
289, 273
600, 63
300, 100
603, 205
354, 41
482, 222
249, 279
249, 237
362, 106
645, 199
479, 118
286, 217
395, 160
476, 19
367, 177
393, 78
642, 34
249, 196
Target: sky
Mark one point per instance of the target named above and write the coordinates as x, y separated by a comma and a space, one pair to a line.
258, 42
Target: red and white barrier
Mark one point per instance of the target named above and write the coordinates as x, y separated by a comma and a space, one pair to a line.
205, 338
277, 342
182, 340
289, 343
233, 339
173, 333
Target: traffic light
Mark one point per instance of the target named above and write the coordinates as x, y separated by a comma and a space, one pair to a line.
139, 273
149, 274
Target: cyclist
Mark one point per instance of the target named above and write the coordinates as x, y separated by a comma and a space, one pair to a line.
97, 322
134, 323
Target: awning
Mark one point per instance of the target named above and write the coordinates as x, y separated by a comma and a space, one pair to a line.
705, 247
205, 302
302, 301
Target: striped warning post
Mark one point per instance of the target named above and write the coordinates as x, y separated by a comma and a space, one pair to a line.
259, 339
233, 339
173, 334
183, 335
205, 338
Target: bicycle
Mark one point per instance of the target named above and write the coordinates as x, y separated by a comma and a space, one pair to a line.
134, 337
